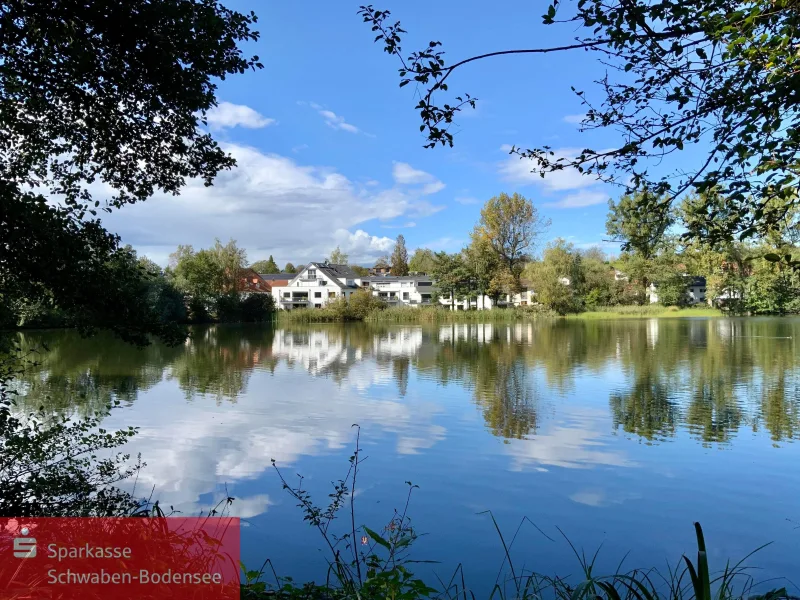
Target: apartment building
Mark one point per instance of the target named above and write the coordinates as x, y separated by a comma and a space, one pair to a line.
315, 285
408, 290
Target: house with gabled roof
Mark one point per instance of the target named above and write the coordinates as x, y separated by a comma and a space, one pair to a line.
250, 282
317, 284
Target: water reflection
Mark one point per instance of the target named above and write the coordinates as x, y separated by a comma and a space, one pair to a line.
711, 377
610, 428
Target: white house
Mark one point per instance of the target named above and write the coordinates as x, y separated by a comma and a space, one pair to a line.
407, 290
316, 285
695, 291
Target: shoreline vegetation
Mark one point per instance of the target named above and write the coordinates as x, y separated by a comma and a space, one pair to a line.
444, 315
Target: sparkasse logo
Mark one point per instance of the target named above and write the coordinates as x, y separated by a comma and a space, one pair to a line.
24, 547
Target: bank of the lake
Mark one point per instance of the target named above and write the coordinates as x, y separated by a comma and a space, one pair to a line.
421, 315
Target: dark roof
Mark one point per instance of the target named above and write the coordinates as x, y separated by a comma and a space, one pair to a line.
698, 281
334, 272
274, 276
337, 270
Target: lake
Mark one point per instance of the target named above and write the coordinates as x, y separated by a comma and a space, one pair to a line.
620, 433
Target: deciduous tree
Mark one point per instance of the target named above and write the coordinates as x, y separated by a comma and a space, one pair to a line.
422, 261
83, 101
338, 257
511, 225
558, 278
265, 266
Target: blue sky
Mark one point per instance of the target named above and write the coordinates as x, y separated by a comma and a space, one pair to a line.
329, 147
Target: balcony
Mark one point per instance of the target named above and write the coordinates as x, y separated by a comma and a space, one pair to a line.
306, 282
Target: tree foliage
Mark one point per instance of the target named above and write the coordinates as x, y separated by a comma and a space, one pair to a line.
422, 261
266, 266
451, 275
400, 257
511, 225
338, 257
558, 278
84, 101
713, 74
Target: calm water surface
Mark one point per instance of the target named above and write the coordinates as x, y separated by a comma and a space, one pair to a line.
620, 433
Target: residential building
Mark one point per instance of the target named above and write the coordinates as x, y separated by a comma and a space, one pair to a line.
695, 290
380, 270
317, 284
251, 282
408, 290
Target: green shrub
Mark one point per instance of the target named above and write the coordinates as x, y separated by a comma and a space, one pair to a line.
257, 308
362, 303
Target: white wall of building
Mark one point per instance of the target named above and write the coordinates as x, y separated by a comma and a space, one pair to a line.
313, 287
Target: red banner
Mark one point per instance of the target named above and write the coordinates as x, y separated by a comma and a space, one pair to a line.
119, 559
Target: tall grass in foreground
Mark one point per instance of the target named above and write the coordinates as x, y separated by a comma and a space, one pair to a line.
368, 564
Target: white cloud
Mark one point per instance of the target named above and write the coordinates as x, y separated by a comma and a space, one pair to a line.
299, 148
580, 199
335, 121
407, 225
574, 119
405, 174
270, 204
467, 200
360, 243
227, 115
575, 443
521, 170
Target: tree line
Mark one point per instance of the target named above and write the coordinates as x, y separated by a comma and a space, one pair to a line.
756, 276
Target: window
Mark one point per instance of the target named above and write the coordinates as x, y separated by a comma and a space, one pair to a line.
287, 294
405, 295
255, 280
331, 294
426, 297
703, 290
424, 283
318, 306
392, 294
317, 294
312, 274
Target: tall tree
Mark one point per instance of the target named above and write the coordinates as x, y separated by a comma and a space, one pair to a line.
266, 266
558, 278
511, 225
208, 273
127, 109
451, 275
400, 257
422, 261
289, 268
338, 257
482, 264
719, 75
639, 223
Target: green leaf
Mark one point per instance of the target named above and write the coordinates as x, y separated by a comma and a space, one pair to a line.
377, 538
772, 257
